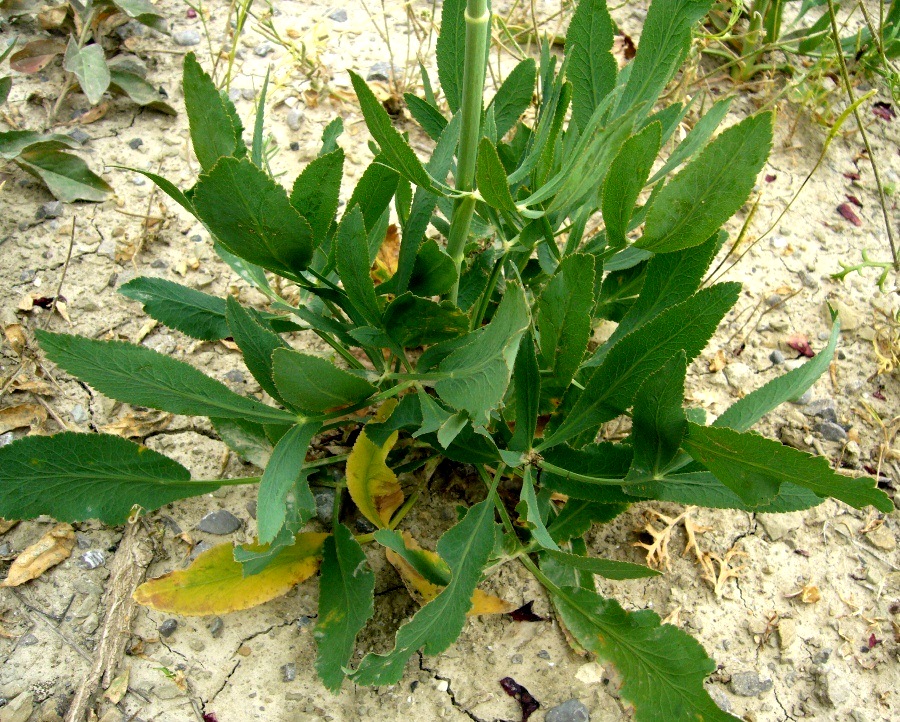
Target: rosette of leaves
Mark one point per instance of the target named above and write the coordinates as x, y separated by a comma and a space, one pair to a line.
477, 349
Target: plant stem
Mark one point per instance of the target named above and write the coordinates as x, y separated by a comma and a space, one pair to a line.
845, 76
478, 24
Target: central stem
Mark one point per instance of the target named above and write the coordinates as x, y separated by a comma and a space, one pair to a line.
478, 24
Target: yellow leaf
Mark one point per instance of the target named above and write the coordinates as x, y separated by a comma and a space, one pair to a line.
423, 591
215, 584
48, 551
372, 485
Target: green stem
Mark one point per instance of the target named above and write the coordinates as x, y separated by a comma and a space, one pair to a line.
498, 503
478, 24
488, 292
574, 476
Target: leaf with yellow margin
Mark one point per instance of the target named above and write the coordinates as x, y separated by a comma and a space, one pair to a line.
421, 589
215, 584
372, 485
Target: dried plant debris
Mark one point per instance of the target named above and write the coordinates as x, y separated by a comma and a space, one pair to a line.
51, 549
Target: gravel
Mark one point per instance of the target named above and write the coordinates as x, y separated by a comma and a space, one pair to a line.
219, 522
294, 118
186, 38
570, 711
167, 628
831, 431
53, 209
216, 627
324, 504
135, 143
288, 672
339, 15
776, 357
749, 684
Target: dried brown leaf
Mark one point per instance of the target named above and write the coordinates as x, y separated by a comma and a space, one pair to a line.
15, 337
17, 417
7, 524
138, 424
48, 551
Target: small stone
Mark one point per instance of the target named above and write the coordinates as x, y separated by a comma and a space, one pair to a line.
167, 628
199, 549
138, 180
196, 645
78, 414
27, 276
186, 37
442, 685
27, 640
882, 539
159, 263
570, 711
787, 633
263, 49
92, 559
219, 522
294, 118
720, 698
543, 654
339, 15
738, 375
288, 672
803, 399
197, 238
135, 143
251, 508
235, 376
305, 621
294, 145
776, 357
774, 300
216, 627
822, 656
324, 504
779, 526
79, 136
748, 684
248, 93
364, 526
831, 431
822, 408
590, 673
380, 71
516, 659
53, 209
18, 709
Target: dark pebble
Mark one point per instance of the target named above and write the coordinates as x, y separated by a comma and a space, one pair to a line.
544, 654
167, 628
294, 145
159, 263
831, 431
380, 71
364, 526
216, 627
251, 509
219, 522
27, 276
197, 238
825, 409
79, 136
199, 548
570, 711
821, 656
324, 504
54, 209
135, 143
235, 376
305, 621
776, 357
27, 640
288, 672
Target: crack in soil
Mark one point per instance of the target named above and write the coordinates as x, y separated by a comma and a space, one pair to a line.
450, 692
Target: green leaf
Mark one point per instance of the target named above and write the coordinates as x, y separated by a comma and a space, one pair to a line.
611, 388
591, 67
14, 142
665, 41
346, 603
353, 263
245, 438
474, 378
658, 420
88, 65
533, 513
745, 412
578, 516
283, 475
5, 87
169, 188
395, 149
144, 12
315, 384
434, 272
662, 668
74, 477
139, 91
212, 130
433, 570
256, 153
670, 279
466, 549
257, 344
66, 176
451, 51
527, 386
413, 321
606, 568
603, 461
514, 96
490, 176
330, 135
251, 216
625, 180
754, 468
316, 191
564, 317
192, 312
430, 118
373, 192
142, 377
710, 189
699, 134
407, 416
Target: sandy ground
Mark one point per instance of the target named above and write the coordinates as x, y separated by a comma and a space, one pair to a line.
781, 654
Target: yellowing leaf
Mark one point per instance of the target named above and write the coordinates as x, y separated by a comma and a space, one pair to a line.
48, 551
423, 591
16, 417
215, 584
372, 485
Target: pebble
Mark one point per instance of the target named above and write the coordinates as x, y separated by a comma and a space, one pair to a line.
159, 263
199, 549
803, 399
787, 633
882, 539
380, 71
186, 37
825, 409
108, 249
197, 238
27, 640
339, 15
543, 654
738, 375
234, 95
850, 319
219, 522
216, 627
288, 672
235, 376
294, 118
135, 143
570, 711
364, 526
779, 526
749, 684
248, 93
92, 559
138, 180
324, 504
27, 276
79, 136
53, 209
167, 628
776, 357
294, 145
196, 645
831, 431
78, 414
516, 659
263, 49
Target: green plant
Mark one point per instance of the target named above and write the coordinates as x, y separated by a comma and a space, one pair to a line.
507, 380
